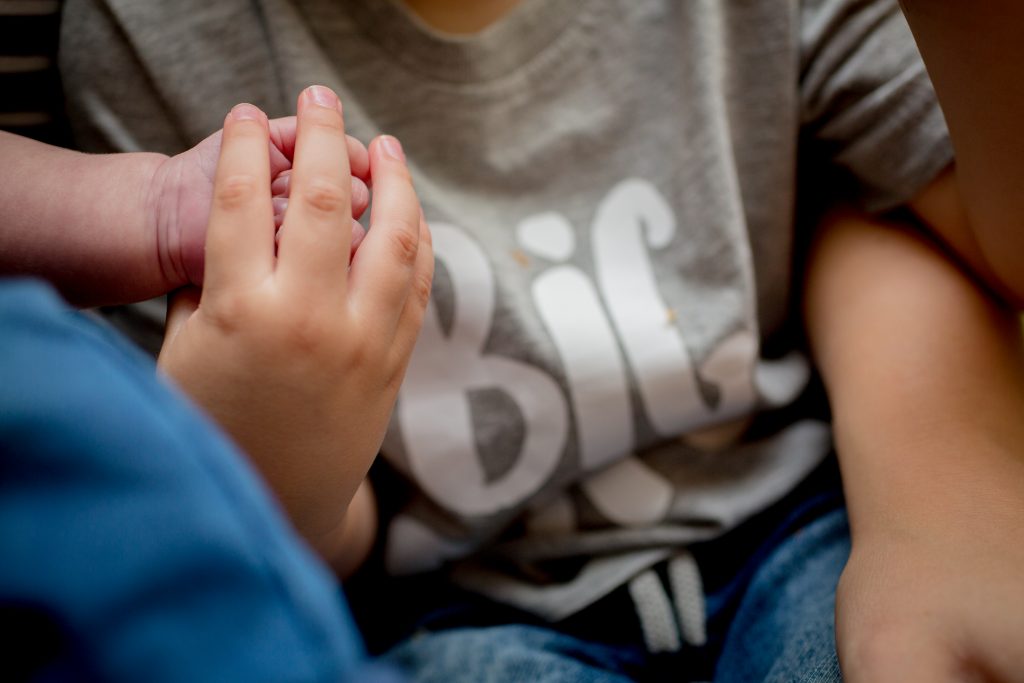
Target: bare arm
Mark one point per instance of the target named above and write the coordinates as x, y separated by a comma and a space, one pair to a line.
926, 380
974, 52
79, 221
116, 228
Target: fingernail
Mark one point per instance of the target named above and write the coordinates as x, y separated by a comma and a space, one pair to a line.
324, 96
246, 112
280, 205
392, 147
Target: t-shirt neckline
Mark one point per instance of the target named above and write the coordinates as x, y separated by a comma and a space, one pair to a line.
527, 31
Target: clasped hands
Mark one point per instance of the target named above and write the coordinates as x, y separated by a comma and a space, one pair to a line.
298, 341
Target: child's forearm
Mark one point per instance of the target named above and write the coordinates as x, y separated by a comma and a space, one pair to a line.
926, 380
84, 222
974, 52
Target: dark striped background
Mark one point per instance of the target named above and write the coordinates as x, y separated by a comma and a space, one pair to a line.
31, 103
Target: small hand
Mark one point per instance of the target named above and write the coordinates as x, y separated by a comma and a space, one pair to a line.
298, 352
179, 202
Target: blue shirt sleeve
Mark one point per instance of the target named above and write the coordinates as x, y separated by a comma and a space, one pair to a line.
135, 542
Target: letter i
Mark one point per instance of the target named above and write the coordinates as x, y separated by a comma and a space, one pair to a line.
571, 310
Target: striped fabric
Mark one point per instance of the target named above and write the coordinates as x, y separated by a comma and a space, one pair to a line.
31, 102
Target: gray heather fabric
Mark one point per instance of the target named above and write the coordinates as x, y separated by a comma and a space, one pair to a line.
612, 190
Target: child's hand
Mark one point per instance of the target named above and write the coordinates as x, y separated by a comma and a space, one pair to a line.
178, 205
942, 602
299, 356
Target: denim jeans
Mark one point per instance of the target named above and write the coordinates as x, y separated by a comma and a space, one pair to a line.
782, 632
769, 596
136, 544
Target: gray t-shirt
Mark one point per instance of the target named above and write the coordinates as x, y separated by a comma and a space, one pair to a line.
612, 191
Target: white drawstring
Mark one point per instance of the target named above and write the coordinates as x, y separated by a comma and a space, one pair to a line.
664, 628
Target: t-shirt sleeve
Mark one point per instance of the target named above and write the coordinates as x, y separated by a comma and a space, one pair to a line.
867, 103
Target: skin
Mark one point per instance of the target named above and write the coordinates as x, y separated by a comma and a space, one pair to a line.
933, 590
928, 422
459, 17
117, 228
973, 52
926, 379
297, 346
126, 227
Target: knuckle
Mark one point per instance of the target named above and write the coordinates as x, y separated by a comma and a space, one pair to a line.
393, 381
229, 311
398, 359
421, 288
345, 359
400, 172
325, 120
247, 130
236, 191
324, 196
404, 243
308, 335
427, 236
363, 356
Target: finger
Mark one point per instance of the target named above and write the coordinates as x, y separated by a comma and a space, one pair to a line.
280, 208
360, 197
240, 237
282, 187
279, 163
382, 270
358, 234
316, 237
282, 184
411, 320
283, 132
358, 158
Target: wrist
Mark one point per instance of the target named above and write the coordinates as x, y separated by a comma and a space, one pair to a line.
93, 240
163, 216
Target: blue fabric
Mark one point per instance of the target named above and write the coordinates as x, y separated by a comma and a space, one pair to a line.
135, 542
784, 630
770, 615
513, 653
